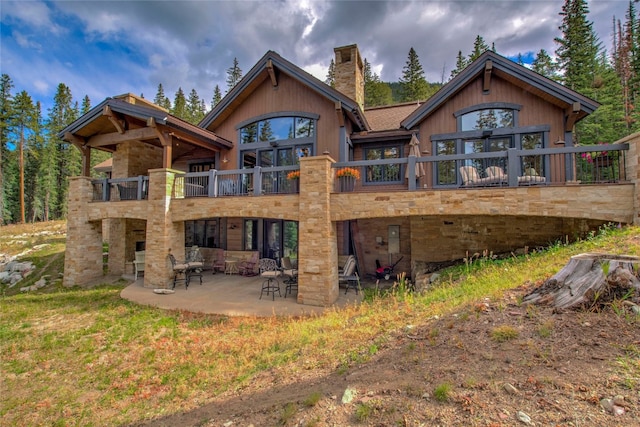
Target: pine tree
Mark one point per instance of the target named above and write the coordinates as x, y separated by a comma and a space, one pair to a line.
67, 158
376, 92
33, 193
544, 65
414, 86
5, 113
86, 105
479, 47
161, 100
578, 46
331, 74
461, 63
179, 105
22, 123
194, 109
578, 53
234, 75
217, 96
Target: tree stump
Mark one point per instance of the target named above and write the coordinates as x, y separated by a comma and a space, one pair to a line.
589, 279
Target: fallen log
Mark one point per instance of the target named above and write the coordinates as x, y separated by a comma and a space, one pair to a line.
588, 279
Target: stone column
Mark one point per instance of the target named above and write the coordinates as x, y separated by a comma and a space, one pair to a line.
317, 251
83, 255
632, 169
163, 235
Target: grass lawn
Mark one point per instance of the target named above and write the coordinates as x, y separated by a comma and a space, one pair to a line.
86, 357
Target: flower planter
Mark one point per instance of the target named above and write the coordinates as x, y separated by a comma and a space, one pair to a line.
347, 183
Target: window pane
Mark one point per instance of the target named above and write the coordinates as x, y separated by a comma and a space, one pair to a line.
383, 173
276, 129
302, 151
285, 157
248, 134
248, 159
532, 164
487, 119
446, 170
304, 127
266, 158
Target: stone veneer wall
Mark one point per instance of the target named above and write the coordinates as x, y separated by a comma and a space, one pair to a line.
163, 235
317, 251
83, 255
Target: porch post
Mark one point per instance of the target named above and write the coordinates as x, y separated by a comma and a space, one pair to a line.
317, 251
83, 254
162, 233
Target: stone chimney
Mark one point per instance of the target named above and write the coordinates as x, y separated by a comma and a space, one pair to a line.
349, 73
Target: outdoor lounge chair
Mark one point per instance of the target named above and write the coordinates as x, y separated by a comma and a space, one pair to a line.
496, 173
531, 177
471, 178
270, 271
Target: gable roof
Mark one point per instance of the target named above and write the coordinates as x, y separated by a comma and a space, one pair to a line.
515, 74
96, 122
271, 62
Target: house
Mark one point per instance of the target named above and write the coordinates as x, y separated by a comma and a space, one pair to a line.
487, 163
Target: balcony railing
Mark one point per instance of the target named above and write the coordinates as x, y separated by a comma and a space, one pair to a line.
116, 189
512, 168
255, 181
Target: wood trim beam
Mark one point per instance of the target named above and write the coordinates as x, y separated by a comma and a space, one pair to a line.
117, 122
139, 134
488, 68
339, 113
162, 136
272, 73
572, 114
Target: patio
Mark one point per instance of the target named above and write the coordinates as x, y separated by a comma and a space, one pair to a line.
230, 295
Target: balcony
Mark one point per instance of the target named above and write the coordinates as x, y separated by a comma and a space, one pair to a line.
512, 168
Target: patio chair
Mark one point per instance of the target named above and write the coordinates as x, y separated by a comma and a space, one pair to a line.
496, 173
138, 263
270, 271
349, 275
291, 274
248, 267
180, 271
531, 177
471, 178
218, 263
195, 263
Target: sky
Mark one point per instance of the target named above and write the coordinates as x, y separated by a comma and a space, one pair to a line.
107, 48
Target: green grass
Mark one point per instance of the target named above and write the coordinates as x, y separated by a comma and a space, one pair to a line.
86, 357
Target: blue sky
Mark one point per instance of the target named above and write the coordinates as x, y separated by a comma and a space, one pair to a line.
106, 48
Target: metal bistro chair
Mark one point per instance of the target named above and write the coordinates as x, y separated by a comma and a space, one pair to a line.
270, 271
291, 274
180, 272
195, 261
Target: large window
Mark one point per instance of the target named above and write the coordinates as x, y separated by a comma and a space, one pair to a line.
489, 118
277, 129
203, 233
383, 173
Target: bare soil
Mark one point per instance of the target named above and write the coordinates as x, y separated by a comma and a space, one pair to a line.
555, 371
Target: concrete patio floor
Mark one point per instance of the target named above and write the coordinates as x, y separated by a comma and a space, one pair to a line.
230, 295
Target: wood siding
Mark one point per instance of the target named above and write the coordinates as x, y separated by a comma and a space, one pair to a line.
288, 96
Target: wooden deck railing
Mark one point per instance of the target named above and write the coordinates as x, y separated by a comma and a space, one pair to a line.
511, 168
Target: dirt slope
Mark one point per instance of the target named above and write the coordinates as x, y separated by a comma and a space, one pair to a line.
555, 372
